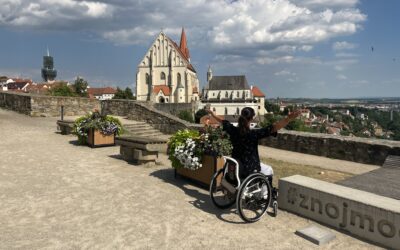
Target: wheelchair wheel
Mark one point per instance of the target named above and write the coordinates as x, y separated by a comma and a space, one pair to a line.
221, 197
275, 208
254, 197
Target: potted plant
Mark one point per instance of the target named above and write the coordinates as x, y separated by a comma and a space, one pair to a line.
97, 130
197, 155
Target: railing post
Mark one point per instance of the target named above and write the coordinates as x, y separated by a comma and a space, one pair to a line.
62, 112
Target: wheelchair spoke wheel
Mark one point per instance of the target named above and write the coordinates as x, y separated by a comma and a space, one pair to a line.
253, 197
220, 196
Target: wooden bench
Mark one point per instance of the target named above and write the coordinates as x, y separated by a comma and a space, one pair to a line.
65, 126
141, 150
392, 161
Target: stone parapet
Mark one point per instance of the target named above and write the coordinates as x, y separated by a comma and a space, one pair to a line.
42, 105
362, 150
369, 216
145, 111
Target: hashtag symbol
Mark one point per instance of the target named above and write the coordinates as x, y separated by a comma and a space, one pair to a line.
292, 195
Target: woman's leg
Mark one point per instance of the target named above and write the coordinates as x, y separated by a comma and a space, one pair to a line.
266, 169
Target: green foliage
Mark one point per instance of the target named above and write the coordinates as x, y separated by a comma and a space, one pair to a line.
61, 90
199, 114
178, 139
186, 115
106, 124
124, 94
80, 87
271, 107
215, 141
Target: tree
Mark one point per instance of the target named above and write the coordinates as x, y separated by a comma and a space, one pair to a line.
124, 94
186, 115
61, 90
270, 107
80, 87
199, 114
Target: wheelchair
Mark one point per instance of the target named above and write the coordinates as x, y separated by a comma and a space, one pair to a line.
253, 195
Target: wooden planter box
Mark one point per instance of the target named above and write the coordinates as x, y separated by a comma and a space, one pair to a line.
204, 174
97, 139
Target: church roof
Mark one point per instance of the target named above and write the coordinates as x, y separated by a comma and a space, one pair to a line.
183, 44
190, 66
257, 92
228, 83
165, 89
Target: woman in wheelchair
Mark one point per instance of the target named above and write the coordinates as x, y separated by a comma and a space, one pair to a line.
245, 146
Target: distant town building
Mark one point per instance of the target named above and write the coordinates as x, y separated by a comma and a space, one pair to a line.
17, 84
106, 93
228, 95
49, 74
165, 74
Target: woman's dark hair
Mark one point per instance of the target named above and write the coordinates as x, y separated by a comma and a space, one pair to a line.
246, 116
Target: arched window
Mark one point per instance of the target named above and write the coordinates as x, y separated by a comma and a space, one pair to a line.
226, 110
147, 78
162, 76
237, 110
226, 94
178, 78
237, 94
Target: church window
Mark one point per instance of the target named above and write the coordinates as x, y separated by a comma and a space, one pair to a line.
226, 94
147, 79
162, 76
226, 111
214, 109
237, 94
178, 76
237, 110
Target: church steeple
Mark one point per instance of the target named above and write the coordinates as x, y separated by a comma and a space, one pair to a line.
183, 45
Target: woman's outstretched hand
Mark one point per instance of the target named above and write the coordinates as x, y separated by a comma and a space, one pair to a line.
282, 123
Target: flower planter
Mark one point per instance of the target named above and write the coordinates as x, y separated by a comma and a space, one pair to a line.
97, 139
204, 174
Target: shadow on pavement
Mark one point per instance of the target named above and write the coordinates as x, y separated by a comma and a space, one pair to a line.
202, 200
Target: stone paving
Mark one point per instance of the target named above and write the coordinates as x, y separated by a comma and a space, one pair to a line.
57, 195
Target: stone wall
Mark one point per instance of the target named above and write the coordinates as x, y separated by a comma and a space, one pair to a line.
42, 105
175, 108
362, 150
145, 111
17, 102
73, 106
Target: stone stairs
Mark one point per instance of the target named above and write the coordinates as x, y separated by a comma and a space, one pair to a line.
142, 129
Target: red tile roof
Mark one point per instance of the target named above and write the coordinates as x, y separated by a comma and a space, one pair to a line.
257, 92
165, 89
101, 91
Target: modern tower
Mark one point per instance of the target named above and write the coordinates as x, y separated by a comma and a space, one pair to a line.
48, 71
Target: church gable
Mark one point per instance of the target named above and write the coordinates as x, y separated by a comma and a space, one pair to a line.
163, 52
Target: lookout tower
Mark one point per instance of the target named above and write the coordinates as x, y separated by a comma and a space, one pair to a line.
48, 71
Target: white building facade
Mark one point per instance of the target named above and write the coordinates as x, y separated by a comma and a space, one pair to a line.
165, 74
228, 95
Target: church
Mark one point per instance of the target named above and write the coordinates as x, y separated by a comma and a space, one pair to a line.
165, 74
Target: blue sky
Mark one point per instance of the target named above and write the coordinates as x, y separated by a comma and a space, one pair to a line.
289, 48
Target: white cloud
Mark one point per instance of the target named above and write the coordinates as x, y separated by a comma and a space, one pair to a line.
341, 77
344, 46
285, 73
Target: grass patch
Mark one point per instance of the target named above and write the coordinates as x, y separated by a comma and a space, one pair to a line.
284, 169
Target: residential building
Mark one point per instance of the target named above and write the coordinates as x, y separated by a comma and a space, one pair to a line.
106, 93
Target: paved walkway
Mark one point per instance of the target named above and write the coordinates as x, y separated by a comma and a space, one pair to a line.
57, 195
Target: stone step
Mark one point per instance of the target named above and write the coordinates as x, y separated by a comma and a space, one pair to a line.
138, 132
149, 135
139, 128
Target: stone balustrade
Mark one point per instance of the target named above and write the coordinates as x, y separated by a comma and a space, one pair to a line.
362, 150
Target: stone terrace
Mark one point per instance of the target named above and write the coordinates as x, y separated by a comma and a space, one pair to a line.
57, 195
